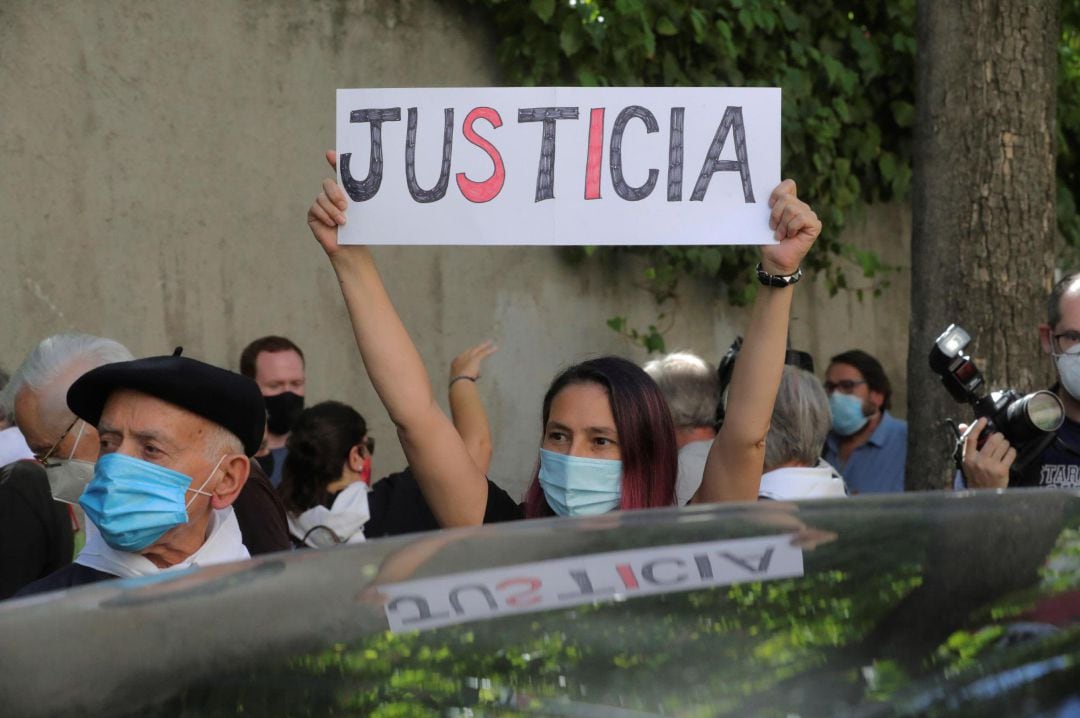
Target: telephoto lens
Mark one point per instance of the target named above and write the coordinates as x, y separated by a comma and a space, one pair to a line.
1031, 416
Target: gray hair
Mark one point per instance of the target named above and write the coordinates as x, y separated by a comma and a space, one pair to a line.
800, 421
690, 385
221, 441
52, 367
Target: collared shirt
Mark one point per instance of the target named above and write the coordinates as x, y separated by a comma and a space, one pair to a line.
876, 467
795, 483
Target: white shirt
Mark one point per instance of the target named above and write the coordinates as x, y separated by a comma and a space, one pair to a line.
223, 544
343, 522
13, 446
794, 483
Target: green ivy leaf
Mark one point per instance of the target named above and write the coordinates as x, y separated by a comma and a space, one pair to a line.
888, 166
649, 42
544, 9
571, 38
664, 26
903, 113
699, 23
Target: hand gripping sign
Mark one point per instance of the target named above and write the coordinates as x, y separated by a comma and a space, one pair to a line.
558, 165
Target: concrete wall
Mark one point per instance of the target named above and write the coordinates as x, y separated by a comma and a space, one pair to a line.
158, 159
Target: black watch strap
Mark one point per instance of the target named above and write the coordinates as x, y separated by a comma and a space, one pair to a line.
777, 280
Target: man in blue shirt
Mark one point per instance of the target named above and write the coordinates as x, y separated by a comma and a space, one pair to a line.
867, 444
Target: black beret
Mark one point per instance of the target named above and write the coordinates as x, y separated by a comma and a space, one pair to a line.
223, 397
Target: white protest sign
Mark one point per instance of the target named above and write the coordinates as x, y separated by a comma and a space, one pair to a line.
561, 583
558, 165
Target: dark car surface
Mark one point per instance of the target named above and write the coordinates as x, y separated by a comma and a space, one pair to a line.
931, 604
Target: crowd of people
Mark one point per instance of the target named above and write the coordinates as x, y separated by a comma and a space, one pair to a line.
116, 466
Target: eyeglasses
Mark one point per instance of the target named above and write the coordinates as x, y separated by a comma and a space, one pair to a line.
1067, 343
846, 386
43, 459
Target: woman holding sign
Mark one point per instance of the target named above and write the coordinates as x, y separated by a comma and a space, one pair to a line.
608, 440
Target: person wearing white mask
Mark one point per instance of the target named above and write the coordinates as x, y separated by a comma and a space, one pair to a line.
1058, 466
36, 531
66, 446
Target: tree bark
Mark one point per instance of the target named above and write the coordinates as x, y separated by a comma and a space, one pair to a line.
983, 232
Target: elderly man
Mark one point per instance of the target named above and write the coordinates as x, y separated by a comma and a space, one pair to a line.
175, 437
793, 468
800, 422
36, 532
692, 389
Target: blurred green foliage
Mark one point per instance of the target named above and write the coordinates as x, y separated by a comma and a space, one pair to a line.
847, 69
831, 642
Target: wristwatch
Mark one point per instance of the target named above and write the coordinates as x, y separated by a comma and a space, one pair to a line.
778, 280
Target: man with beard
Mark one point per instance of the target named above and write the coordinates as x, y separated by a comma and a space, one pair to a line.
1058, 466
276, 364
867, 444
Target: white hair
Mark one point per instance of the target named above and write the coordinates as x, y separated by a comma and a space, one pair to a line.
219, 441
690, 385
800, 421
52, 367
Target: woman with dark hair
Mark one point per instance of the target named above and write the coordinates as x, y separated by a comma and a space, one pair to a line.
635, 448
322, 484
608, 440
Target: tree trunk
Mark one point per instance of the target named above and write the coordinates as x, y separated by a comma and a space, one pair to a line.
984, 228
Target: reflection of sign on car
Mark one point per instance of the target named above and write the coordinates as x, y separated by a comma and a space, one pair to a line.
561, 583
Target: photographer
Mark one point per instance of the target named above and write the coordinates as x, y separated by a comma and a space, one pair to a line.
1057, 466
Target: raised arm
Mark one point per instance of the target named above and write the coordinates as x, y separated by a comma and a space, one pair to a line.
455, 489
466, 408
733, 469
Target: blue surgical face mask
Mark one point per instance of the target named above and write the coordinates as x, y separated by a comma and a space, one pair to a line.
580, 487
847, 413
134, 502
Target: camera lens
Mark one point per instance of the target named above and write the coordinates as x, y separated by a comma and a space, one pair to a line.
1044, 410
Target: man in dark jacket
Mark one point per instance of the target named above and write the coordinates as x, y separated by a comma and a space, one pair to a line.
36, 535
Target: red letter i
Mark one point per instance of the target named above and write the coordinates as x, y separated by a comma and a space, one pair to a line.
596, 153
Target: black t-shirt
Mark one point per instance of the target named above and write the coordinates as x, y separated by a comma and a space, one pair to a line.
36, 536
398, 507
1057, 467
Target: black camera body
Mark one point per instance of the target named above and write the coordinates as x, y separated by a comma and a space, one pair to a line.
1027, 421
